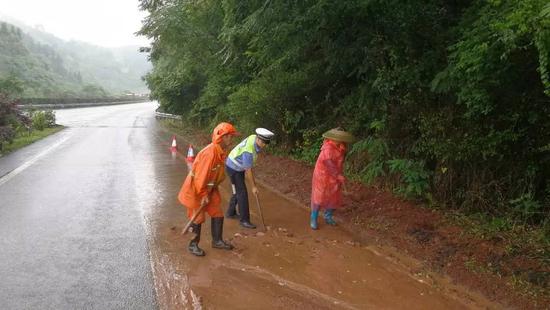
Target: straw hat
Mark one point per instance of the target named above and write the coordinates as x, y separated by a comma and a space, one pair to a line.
339, 135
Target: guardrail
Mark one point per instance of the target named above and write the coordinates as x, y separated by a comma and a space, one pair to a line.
166, 115
74, 105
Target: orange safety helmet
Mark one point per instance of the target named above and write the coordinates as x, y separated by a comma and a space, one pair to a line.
221, 130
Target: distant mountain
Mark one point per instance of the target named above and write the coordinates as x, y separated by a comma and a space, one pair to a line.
115, 69
43, 71
50, 66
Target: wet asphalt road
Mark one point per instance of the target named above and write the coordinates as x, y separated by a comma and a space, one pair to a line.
72, 234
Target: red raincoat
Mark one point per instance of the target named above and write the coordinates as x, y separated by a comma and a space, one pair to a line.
328, 177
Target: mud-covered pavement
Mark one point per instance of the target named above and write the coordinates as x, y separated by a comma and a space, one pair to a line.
86, 214
287, 267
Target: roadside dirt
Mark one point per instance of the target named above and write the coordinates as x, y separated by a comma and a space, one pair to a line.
378, 218
385, 253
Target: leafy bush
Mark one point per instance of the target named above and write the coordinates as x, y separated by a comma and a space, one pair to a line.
10, 119
43, 119
526, 207
413, 176
310, 147
49, 115
38, 120
367, 158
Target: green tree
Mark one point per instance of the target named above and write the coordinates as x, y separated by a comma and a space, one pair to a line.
10, 115
450, 98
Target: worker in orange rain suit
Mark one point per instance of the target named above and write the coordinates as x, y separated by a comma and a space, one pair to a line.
201, 188
328, 176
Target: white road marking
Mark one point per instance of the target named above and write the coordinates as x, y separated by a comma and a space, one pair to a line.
31, 161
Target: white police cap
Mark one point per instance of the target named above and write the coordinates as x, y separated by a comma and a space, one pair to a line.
264, 134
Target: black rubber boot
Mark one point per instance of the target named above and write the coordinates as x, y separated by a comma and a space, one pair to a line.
217, 232
194, 243
247, 225
232, 208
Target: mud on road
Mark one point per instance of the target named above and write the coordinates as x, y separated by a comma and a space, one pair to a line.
289, 266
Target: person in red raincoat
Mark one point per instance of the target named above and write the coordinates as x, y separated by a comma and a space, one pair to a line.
328, 177
200, 188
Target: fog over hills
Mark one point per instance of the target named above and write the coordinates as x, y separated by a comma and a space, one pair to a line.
52, 67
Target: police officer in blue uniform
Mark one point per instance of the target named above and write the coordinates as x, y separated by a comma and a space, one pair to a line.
238, 166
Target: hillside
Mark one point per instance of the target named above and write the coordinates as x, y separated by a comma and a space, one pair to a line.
51, 67
117, 70
42, 70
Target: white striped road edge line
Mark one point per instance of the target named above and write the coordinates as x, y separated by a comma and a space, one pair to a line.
31, 161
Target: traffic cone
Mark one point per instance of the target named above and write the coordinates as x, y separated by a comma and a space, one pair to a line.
174, 146
190, 154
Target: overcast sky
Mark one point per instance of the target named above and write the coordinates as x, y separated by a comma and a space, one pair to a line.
108, 23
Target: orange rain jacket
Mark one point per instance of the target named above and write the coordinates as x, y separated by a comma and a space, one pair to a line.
206, 174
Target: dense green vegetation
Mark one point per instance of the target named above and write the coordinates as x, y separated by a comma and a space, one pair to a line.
10, 116
17, 128
27, 137
38, 66
450, 99
52, 68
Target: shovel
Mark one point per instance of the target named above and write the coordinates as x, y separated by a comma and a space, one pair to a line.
260, 211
